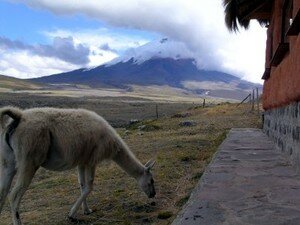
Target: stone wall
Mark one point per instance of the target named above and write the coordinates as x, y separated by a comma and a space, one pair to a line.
283, 126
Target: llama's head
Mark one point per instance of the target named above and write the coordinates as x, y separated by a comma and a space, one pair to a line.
146, 181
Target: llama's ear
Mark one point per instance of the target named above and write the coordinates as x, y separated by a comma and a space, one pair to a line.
150, 164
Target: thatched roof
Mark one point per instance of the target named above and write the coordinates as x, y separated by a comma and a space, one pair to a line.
242, 11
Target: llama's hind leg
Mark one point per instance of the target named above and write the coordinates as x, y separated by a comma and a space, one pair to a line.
7, 173
25, 173
82, 183
89, 172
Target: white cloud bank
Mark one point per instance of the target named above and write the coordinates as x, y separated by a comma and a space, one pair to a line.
68, 50
197, 23
23, 64
62, 48
104, 44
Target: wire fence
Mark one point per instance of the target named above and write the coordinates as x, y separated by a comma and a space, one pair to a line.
253, 98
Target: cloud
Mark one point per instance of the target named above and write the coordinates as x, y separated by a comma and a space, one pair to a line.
106, 47
69, 50
66, 50
17, 64
95, 38
163, 48
62, 48
6, 43
197, 23
63, 55
105, 43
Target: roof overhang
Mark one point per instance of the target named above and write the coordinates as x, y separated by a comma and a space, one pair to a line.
242, 11
255, 9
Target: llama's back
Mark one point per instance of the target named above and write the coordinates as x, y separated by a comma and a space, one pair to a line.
76, 136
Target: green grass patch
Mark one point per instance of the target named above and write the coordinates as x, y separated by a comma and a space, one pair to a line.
182, 201
164, 215
198, 175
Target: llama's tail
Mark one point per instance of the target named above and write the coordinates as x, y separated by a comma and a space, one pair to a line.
12, 112
9, 126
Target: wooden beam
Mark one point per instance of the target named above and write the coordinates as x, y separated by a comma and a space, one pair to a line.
266, 74
258, 7
261, 15
280, 52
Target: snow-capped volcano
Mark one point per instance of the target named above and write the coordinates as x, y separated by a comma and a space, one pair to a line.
164, 48
163, 62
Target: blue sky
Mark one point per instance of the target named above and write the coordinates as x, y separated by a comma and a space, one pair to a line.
25, 24
39, 38
19, 22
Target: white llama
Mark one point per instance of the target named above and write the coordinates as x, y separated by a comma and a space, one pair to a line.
60, 139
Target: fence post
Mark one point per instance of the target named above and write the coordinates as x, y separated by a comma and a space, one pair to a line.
257, 99
253, 100
203, 102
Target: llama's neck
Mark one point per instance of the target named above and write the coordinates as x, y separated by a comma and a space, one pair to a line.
128, 162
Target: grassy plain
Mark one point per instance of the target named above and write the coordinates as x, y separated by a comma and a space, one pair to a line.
181, 152
117, 110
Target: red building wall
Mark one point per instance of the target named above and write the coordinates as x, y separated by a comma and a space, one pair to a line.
283, 85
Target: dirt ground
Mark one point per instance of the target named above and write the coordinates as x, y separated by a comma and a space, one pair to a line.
183, 141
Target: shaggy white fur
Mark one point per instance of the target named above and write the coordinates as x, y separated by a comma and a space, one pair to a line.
60, 139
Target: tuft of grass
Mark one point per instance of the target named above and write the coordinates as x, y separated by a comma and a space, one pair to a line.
164, 215
187, 158
149, 127
182, 201
181, 115
146, 125
198, 175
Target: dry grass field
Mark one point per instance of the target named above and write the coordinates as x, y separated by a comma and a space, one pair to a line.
181, 152
117, 110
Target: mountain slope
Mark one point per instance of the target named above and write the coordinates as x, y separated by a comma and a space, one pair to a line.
17, 84
156, 71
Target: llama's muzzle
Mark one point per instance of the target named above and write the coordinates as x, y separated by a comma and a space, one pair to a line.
152, 194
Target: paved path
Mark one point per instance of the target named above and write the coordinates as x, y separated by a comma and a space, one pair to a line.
248, 182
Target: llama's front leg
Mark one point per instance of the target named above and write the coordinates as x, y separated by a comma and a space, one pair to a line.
25, 174
82, 183
7, 173
89, 173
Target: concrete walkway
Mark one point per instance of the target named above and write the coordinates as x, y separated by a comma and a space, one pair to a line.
248, 182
